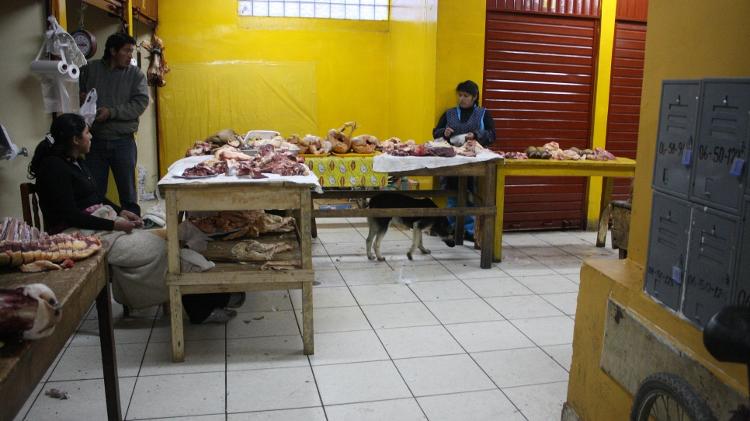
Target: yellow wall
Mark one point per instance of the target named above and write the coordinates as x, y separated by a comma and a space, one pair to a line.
460, 49
411, 54
686, 39
291, 75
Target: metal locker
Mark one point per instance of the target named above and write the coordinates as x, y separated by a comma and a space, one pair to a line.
721, 144
678, 116
741, 290
667, 249
711, 263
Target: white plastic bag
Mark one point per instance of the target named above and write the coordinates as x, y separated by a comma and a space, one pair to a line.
58, 77
88, 109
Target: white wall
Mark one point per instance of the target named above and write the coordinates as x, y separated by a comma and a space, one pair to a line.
21, 107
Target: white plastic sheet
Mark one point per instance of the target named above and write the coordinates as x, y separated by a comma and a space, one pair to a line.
390, 163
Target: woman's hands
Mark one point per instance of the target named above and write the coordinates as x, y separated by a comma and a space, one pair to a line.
447, 133
128, 221
124, 225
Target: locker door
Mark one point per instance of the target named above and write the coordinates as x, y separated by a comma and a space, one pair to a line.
711, 262
667, 249
741, 290
674, 146
721, 149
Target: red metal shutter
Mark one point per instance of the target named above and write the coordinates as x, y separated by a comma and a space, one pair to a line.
625, 96
538, 85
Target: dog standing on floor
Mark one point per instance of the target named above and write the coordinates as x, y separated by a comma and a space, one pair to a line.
379, 226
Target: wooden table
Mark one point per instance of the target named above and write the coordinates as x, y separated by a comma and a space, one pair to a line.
621, 167
486, 170
235, 277
23, 364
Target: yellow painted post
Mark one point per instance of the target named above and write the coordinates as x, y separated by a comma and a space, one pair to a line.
60, 12
129, 15
601, 103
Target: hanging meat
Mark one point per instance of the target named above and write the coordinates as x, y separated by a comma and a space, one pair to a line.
157, 67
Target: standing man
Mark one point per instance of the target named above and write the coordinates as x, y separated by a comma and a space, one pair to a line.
122, 96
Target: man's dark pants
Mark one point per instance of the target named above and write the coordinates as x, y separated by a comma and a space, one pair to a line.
121, 156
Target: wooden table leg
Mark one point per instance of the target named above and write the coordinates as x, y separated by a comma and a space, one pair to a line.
109, 355
458, 234
175, 307
607, 187
308, 339
488, 229
500, 205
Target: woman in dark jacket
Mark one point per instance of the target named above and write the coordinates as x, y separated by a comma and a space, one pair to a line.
466, 121
467, 118
68, 197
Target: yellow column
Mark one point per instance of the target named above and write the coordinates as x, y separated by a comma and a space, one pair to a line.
60, 13
601, 103
129, 16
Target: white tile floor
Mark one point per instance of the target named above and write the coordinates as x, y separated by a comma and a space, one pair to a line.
432, 339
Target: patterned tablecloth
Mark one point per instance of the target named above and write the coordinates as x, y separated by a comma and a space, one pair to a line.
346, 171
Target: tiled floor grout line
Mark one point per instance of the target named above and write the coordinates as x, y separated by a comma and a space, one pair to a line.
226, 372
472, 358
567, 370
390, 358
140, 367
307, 357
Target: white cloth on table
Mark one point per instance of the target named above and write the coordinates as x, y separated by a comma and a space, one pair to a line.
176, 169
390, 163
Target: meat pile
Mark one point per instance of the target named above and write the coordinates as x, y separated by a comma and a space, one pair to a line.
231, 161
34, 251
553, 151
394, 146
277, 142
310, 144
251, 223
251, 250
214, 142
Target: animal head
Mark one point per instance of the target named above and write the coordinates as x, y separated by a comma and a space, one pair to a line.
48, 311
442, 228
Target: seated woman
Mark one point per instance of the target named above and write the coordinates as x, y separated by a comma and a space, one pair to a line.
69, 201
466, 121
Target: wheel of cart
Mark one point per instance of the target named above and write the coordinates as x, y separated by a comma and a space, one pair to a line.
665, 396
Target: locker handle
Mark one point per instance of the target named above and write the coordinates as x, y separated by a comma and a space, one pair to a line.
706, 191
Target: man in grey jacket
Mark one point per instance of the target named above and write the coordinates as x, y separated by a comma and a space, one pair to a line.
122, 96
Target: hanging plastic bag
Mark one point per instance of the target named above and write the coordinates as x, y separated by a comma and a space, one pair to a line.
58, 77
88, 109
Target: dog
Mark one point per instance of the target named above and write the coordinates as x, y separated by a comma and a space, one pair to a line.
439, 225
